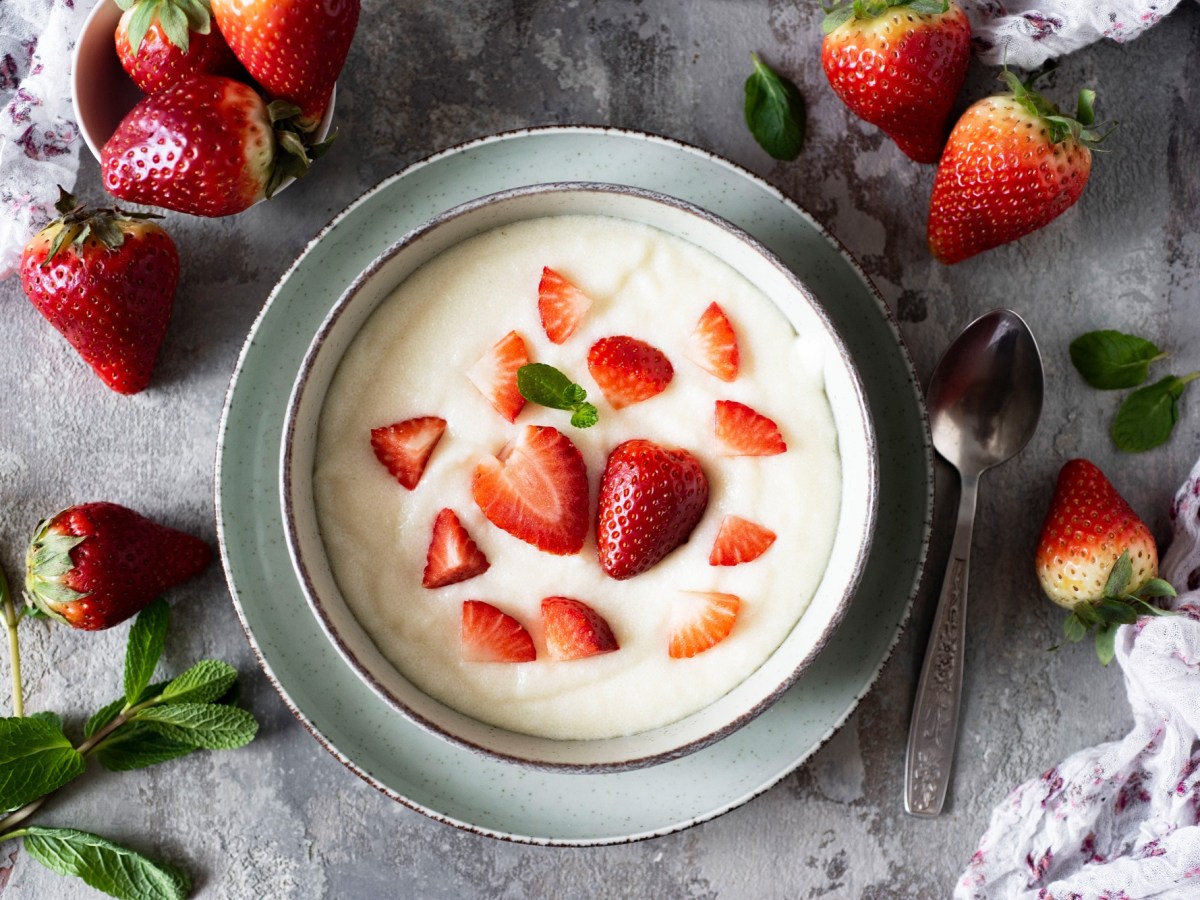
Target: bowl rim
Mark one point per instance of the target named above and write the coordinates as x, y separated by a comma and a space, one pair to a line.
287, 475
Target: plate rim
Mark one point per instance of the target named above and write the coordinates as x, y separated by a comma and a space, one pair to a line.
795, 209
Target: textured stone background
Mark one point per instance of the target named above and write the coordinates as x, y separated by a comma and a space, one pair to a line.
282, 818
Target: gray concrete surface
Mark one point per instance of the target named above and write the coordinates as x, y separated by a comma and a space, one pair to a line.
282, 818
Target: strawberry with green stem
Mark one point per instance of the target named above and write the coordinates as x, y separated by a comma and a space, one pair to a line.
162, 42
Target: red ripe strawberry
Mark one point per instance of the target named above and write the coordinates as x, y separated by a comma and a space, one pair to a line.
452, 556
96, 564
1011, 165
650, 500
713, 345
404, 448
536, 490
574, 630
745, 432
702, 621
206, 146
294, 48
561, 306
739, 541
899, 65
495, 375
106, 280
1096, 557
161, 42
489, 635
627, 370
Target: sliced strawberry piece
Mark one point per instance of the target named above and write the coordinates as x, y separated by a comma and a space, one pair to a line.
452, 556
489, 635
536, 490
574, 630
713, 345
404, 447
745, 432
562, 306
739, 541
704, 624
627, 370
495, 374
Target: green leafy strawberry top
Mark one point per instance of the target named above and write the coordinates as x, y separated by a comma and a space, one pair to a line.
845, 10
80, 223
1081, 127
177, 18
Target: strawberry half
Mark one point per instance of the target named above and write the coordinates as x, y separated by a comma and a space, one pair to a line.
452, 555
739, 541
574, 630
650, 501
162, 42
536, 490
489, 635
495, 375
745, 432
701, 622
561, 306
106, 280
627, 370
96, 564
404, 448
713, 345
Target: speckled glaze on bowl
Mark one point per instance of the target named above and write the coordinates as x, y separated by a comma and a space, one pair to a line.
452, 784
856, 447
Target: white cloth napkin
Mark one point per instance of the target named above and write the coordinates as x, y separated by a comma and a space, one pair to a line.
1121, 820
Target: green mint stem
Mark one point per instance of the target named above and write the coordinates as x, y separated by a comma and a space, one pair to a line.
11, 620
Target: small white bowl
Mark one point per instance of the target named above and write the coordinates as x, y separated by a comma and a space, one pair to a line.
102, 94
856, 440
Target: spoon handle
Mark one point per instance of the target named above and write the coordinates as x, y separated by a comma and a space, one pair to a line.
934, 726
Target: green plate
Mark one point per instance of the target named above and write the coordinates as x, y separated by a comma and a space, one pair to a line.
456, 785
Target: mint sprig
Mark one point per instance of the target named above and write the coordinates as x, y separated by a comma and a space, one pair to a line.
546, 386
775, 111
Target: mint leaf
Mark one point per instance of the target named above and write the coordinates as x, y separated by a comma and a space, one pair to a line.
136, 745
204, 725
1109, 359
146, 640
107, 713
206, 681
108, 867
1106, 643
546, 386
774, 111
1148, 415
51, 718
1118, 576
35, 759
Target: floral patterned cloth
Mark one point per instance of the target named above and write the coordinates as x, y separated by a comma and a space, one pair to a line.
1119, 821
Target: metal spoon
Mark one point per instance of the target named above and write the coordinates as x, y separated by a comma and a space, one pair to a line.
984, 401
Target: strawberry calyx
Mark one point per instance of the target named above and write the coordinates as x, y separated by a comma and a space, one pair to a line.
177, 19
1121, 604
47, 563
842, 11
1081, 127
80, 223
295, 154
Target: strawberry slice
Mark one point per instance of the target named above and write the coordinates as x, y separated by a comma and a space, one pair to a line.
495, 375
713, 345
452, 556
745, 432
404, 447
627, 370
703, 625
489, 635
561, 304
536, 490
574, 630
739, 541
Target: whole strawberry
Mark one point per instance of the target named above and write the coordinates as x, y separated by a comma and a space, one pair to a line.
105, 279
1096, 557
650, 500
162, 42
96, 564
899, 64
209, 146
294, 48
1012, 164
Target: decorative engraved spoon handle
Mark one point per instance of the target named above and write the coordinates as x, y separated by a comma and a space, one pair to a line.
934, 726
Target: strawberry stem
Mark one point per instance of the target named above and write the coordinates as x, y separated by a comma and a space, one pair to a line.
11, 620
